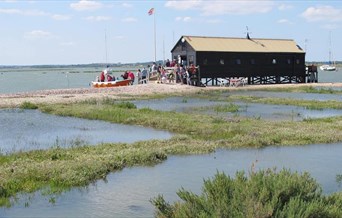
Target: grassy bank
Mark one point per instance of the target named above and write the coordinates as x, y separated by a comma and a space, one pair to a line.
58, 169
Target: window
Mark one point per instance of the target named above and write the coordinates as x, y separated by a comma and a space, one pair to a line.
252, 61
238, 61
205, 61
297, 61
274, 61
221, 61
289, 61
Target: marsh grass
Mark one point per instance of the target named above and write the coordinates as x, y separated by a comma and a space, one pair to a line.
305, 89
226, 108
28, 105
59, 169
308, 104
221, 108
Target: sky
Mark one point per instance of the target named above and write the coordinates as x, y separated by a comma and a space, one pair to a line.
92, 31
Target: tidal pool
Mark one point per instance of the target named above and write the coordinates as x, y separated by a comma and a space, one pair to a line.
127, 193
23, 130
253, 110
291, 95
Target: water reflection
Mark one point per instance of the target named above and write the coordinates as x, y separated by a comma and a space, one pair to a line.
253, 110
127, 193
31, 129
291, 95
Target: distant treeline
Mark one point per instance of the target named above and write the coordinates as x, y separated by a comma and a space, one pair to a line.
125, 65
339, 63
94, 65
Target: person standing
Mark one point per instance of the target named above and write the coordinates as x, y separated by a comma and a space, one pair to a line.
167, 64
159, 71
102, 76
138, 75
144, 76
154, 69
131, 77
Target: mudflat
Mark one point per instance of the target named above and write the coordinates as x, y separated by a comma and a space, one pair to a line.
122, 92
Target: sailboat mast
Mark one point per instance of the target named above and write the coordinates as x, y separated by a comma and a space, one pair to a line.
106, 53
329, 47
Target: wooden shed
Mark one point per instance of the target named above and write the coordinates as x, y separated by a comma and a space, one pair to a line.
261, 61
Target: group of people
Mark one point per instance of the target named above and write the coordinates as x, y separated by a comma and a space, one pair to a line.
105, 76
169, 73
129, 75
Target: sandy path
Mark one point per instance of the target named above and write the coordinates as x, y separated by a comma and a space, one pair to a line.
74, 95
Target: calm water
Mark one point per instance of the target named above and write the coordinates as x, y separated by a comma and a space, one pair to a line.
24, 79
32, 79
252, 110
127, 193
31, 129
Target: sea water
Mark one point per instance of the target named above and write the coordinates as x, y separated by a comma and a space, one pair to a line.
24, 79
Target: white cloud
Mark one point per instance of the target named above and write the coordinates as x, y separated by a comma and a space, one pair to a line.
85, 5
10, 11
66, 44
184, 19
217, 7
213, 21
98, 18
330, 26
126, 5
60, 17
129, 20
322, 13
284, 7
183, 5
284, 21
23, 12
38, 34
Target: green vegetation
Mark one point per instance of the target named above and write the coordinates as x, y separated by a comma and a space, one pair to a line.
262, 194
222, 108
309, 104
28, 105
305, 89
59, 169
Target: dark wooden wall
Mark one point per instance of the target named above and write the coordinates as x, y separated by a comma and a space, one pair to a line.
233, 64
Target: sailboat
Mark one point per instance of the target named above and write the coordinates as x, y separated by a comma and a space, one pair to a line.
330, 66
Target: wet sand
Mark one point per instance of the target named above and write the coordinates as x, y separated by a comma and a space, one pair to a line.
76, 95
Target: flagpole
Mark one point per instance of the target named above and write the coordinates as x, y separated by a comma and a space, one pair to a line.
155, 46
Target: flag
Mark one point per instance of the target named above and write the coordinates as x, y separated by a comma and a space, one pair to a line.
151, 11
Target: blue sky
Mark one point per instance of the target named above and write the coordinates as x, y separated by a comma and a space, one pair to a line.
82, 32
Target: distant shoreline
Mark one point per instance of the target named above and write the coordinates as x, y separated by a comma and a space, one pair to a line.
80, 94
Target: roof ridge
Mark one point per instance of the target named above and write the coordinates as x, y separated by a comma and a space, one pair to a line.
223, 37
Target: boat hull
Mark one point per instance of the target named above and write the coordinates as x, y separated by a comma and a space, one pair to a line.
116, 83
328, 68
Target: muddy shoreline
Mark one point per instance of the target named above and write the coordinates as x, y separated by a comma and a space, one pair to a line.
81, 94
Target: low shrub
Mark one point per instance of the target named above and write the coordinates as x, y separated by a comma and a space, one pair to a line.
28, 105
266, 193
